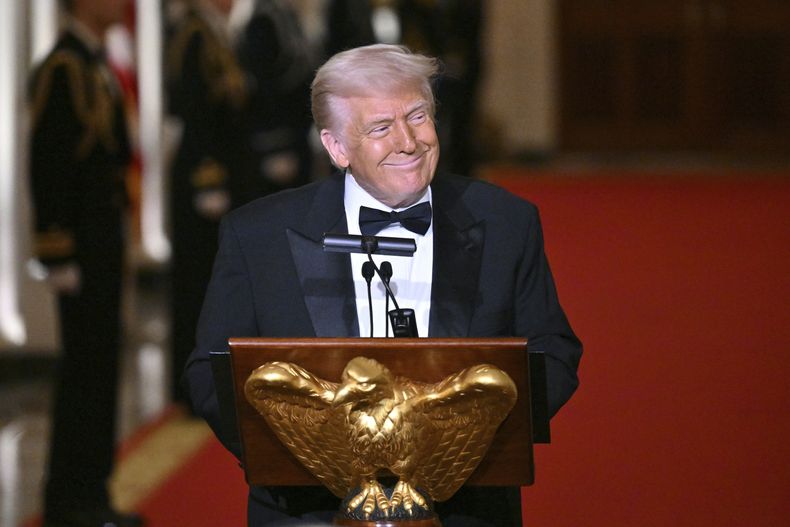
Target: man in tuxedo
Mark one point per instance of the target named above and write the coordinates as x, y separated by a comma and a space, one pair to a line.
479, 269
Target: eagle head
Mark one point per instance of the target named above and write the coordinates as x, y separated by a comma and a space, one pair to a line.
364, 382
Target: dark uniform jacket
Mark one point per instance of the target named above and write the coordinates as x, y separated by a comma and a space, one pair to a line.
80, 153
207, 93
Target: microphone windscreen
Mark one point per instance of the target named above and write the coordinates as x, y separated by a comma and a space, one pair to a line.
386, 270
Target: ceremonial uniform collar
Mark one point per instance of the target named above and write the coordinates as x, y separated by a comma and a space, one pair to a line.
85, 35
215, 20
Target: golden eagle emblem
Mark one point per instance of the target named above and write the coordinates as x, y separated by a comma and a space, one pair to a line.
373, 423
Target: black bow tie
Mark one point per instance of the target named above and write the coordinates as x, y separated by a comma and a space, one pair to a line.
417, 219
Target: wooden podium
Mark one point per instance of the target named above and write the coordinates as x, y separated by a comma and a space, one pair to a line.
267, 462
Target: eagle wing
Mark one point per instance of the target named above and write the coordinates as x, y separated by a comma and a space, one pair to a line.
298, 407
461, 415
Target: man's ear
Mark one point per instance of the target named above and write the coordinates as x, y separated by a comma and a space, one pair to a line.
335, 148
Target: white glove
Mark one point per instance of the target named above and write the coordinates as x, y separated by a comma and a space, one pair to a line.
281, 168
212, 204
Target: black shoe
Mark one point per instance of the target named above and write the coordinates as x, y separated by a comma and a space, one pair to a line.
101, 517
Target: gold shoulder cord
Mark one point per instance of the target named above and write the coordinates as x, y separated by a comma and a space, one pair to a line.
104, 108
73, 66
222, 69
177, 48
223, 75
97, 120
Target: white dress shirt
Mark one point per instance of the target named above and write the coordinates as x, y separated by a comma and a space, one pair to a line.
411, 276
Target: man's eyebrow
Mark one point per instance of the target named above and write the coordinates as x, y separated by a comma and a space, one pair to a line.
379, 119
388, 118
417, 107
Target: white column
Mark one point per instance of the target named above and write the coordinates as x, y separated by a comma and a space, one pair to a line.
156, 246
43, 27
12, 146
11, 436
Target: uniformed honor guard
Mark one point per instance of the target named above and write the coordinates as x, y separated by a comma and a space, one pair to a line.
80, 154
207, 94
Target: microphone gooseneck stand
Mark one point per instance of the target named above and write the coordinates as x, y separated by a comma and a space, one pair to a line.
368, 270
403, 321
386, 275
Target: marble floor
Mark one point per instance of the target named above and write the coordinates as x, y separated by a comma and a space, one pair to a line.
26, 392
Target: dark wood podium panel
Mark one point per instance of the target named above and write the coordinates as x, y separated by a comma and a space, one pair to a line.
509, 461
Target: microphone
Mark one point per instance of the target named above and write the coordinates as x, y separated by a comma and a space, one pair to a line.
368, 269
353, 243
386, 275
404, 321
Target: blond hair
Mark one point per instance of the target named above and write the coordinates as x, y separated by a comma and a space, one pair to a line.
369, 70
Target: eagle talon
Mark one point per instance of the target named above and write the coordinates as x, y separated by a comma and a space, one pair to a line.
369, 506
371, 497
405, 495
384, 504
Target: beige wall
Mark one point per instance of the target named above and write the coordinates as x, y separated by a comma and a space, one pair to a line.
519, 90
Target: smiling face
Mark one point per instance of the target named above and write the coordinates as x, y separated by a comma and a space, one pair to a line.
389, 142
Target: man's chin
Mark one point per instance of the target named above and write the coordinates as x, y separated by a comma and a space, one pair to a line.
408, 197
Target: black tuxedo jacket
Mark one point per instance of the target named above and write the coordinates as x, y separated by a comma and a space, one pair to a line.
272, 278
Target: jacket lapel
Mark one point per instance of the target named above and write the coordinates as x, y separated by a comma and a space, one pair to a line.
325, 278
457, 255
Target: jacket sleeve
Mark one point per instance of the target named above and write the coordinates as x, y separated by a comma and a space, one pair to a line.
58, 128
228, 311
539, 317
